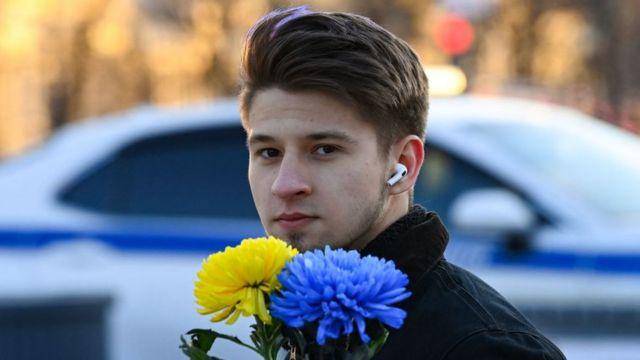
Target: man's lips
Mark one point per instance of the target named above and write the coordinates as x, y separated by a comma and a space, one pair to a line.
294, 220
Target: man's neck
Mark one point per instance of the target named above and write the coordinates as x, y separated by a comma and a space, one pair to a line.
397, 207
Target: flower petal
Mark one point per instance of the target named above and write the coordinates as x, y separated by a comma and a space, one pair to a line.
337, 288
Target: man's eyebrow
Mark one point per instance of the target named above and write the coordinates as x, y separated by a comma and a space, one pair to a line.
334, 135
259, 138
322, 135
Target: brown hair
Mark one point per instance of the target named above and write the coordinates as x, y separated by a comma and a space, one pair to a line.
341, 54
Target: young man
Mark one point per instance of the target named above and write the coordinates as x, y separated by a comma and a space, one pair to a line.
331, 103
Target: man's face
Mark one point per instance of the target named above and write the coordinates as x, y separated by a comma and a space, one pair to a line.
314, 170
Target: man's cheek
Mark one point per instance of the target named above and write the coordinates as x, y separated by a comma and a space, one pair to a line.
354, 185
260, 192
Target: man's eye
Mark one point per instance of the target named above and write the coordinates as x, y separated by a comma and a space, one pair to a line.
326, 149
268, 153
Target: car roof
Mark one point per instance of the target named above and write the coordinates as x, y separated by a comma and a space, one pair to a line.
84, 141
79, 143
472, 109
154, 119
444, 114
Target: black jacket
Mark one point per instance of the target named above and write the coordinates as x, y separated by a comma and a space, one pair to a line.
452, 314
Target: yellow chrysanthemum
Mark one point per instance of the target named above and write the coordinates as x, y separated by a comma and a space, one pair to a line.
235, 281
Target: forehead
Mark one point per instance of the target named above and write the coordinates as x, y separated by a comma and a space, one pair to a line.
300, 112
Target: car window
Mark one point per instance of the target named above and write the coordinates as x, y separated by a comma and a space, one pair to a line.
444, 177
584, 158
200, 173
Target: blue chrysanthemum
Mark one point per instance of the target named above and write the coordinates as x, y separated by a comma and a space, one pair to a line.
338, 288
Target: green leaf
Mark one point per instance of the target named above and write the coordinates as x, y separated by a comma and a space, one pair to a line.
195, 353
376, 344
203, 338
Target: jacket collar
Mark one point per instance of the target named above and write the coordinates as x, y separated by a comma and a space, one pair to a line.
415, 243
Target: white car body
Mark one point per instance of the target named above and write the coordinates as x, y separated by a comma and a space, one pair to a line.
583, 259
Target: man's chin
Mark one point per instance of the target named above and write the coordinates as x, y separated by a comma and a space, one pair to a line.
303, 243
300, 240
297, 240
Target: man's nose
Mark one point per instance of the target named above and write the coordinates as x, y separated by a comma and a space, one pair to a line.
291, 180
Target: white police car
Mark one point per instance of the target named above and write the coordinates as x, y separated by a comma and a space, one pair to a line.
542, 202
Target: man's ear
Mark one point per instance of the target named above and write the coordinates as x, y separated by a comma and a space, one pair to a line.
410, 153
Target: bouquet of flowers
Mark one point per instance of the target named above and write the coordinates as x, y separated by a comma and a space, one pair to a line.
306, 306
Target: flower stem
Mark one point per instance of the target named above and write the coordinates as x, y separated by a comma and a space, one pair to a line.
236, 340
269, 339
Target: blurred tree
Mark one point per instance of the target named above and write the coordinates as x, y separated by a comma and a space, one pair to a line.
618, 25
62, 60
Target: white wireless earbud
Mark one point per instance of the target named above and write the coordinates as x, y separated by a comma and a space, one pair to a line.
401, 171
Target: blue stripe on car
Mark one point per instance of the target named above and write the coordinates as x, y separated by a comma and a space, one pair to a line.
614, 263
497, 256
121, 241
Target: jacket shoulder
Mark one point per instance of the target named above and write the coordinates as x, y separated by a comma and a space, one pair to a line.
453, 313
465, 303
483, 306
502, 344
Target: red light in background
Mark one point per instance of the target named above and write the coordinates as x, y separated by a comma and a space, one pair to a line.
453, 34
